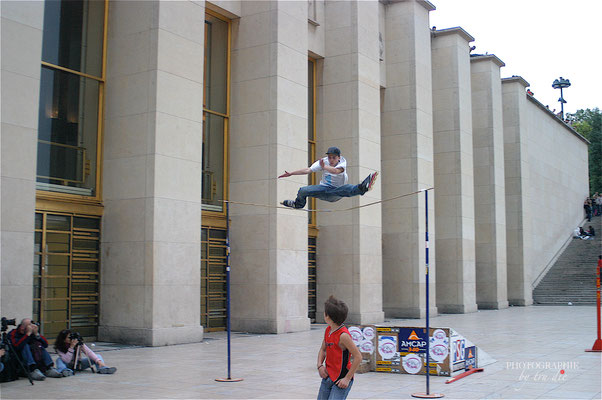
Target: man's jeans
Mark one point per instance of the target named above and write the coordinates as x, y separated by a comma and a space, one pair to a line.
61, 366
28, 357
327, 193
330, 391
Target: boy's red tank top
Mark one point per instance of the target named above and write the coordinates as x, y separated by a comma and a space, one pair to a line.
337, 359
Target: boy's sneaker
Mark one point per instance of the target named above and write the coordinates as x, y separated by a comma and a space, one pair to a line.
37, 375
289, 203
107, 370
67, 372
53, 373
368, 183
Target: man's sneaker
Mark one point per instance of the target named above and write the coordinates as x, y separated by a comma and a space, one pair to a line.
107, 370
288, 203
368, 183
53, 373
67, 372
37, 375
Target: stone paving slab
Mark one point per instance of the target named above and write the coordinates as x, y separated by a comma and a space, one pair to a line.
521, 339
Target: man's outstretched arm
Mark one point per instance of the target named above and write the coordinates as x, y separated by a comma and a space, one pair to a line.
303, 171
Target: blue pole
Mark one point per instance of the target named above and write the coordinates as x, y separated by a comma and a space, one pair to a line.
228, 280
426, 211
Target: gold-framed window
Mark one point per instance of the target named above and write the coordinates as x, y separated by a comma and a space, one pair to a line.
72, 84
214, 153
312, 216
216, 113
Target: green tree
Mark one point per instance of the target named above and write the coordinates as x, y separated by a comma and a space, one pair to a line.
589, 124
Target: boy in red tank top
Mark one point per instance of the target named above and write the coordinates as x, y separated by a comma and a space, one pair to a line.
336, 349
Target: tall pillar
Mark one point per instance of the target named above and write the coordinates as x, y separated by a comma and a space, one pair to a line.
454, 191
268, 135
150, 267
349, 255
517, 190
22, 24
407, 158
489, 185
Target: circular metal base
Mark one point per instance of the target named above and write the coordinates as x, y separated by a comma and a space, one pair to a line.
422, 395
229, 379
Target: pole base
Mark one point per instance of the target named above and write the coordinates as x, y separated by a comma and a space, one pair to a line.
422, 395
229, 379
597, 347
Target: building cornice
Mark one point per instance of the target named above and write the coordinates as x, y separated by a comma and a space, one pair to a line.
516, 78
424, 3
487, 57
450, 31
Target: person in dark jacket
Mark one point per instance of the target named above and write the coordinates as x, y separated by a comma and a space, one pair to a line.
31, 346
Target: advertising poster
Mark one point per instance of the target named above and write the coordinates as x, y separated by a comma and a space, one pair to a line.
387, 354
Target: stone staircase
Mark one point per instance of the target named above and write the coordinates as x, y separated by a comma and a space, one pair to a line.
573, 277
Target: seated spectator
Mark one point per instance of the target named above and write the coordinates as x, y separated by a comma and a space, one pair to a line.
65, 348
2, 351
591, 231
31, 346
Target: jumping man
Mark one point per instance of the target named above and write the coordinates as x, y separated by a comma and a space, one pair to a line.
333, 185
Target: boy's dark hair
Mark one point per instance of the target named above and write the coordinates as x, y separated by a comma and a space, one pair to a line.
336, 310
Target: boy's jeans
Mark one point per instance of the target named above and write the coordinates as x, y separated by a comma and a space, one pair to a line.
327, 193
330, 391
61, 366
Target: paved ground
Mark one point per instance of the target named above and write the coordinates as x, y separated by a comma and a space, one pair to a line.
283, 366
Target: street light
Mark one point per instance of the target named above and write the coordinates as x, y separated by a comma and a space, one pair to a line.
561, 83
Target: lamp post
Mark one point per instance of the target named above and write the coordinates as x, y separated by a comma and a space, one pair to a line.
561, 83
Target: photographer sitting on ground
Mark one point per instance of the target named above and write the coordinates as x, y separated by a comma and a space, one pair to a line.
31, 346
65, 347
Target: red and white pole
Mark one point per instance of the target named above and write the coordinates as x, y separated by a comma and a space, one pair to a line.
597, 347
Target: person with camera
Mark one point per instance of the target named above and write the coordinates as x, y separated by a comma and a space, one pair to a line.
2, 352
66, 346
31, 346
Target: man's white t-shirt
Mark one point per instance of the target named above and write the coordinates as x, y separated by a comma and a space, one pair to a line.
328, 179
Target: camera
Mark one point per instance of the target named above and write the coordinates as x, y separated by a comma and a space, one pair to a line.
76, 336
7, 322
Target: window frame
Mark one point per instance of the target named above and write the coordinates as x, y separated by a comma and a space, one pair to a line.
96, 199
212, 218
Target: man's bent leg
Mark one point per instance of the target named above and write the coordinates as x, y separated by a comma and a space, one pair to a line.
309, 191
346, 191
27, 356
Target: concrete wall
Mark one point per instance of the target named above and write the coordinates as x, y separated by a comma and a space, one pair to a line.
453, 166
268, 135
545, 161
489, 185
557, 158
349, 246
21, 44
407, 158
152, 221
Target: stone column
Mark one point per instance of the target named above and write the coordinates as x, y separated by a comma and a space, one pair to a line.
517, 190
22, 24
150, 288
407, 159
454, 191
268, 135
349, 244
489, 185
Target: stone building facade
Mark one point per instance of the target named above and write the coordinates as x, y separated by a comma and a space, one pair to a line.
125, 124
